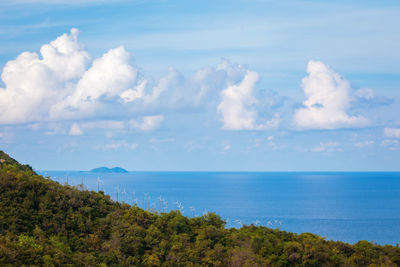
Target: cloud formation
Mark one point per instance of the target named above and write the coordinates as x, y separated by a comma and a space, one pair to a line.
107, 78
327, 101
236, 102
148, 123
34, 84
64, 83
238, 107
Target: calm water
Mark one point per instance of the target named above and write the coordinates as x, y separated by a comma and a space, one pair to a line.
339, 206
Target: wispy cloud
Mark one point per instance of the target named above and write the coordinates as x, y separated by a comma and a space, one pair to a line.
391, 144
148, 123
55, 128
327, 147
392, 132
115, 145
364, 144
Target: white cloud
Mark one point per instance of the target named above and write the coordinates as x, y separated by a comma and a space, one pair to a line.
63, 83
162, 86
392, 132
34, 84
104, 81
148, 123
327, 147
236, 100
238, 104
364, 144
75, 130
115, 145
327, 100
391, 144
131, 95
227, 147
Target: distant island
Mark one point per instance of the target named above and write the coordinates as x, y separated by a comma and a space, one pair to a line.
45, 223
109, 170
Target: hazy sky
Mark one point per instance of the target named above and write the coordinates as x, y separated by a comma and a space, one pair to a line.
247, 85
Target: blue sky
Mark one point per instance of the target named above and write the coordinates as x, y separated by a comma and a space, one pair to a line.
246, 85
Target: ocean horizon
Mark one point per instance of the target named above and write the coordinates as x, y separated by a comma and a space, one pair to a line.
344, 206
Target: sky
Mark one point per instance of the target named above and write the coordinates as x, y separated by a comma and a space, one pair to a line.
159, 85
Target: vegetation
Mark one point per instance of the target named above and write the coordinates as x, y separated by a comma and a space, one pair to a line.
44, 223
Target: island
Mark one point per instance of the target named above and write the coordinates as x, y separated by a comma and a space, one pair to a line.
45, 223
109, 170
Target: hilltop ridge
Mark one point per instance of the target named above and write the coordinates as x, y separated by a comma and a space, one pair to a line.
44, 223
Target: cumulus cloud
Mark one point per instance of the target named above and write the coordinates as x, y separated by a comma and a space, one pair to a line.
148, 123
392, 132
63, 82
327, 100
33, 84
236, 100
104, 81
238, 104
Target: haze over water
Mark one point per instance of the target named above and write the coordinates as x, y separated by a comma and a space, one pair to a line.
346, 206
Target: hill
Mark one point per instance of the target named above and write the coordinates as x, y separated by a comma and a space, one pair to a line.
44, 223
109, 170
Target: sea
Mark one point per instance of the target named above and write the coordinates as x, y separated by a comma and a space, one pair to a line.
344, 206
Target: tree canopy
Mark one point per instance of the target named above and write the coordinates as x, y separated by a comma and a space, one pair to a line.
44, 223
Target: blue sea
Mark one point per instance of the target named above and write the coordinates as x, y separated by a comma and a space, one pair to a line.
345, 206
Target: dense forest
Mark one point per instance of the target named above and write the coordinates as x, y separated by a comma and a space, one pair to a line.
44, 223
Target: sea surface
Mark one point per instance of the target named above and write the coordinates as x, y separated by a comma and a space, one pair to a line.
345, 206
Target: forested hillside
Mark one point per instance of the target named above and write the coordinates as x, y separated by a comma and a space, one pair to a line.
44, 223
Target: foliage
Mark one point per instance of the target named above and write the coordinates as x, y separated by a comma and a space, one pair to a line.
43, 223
